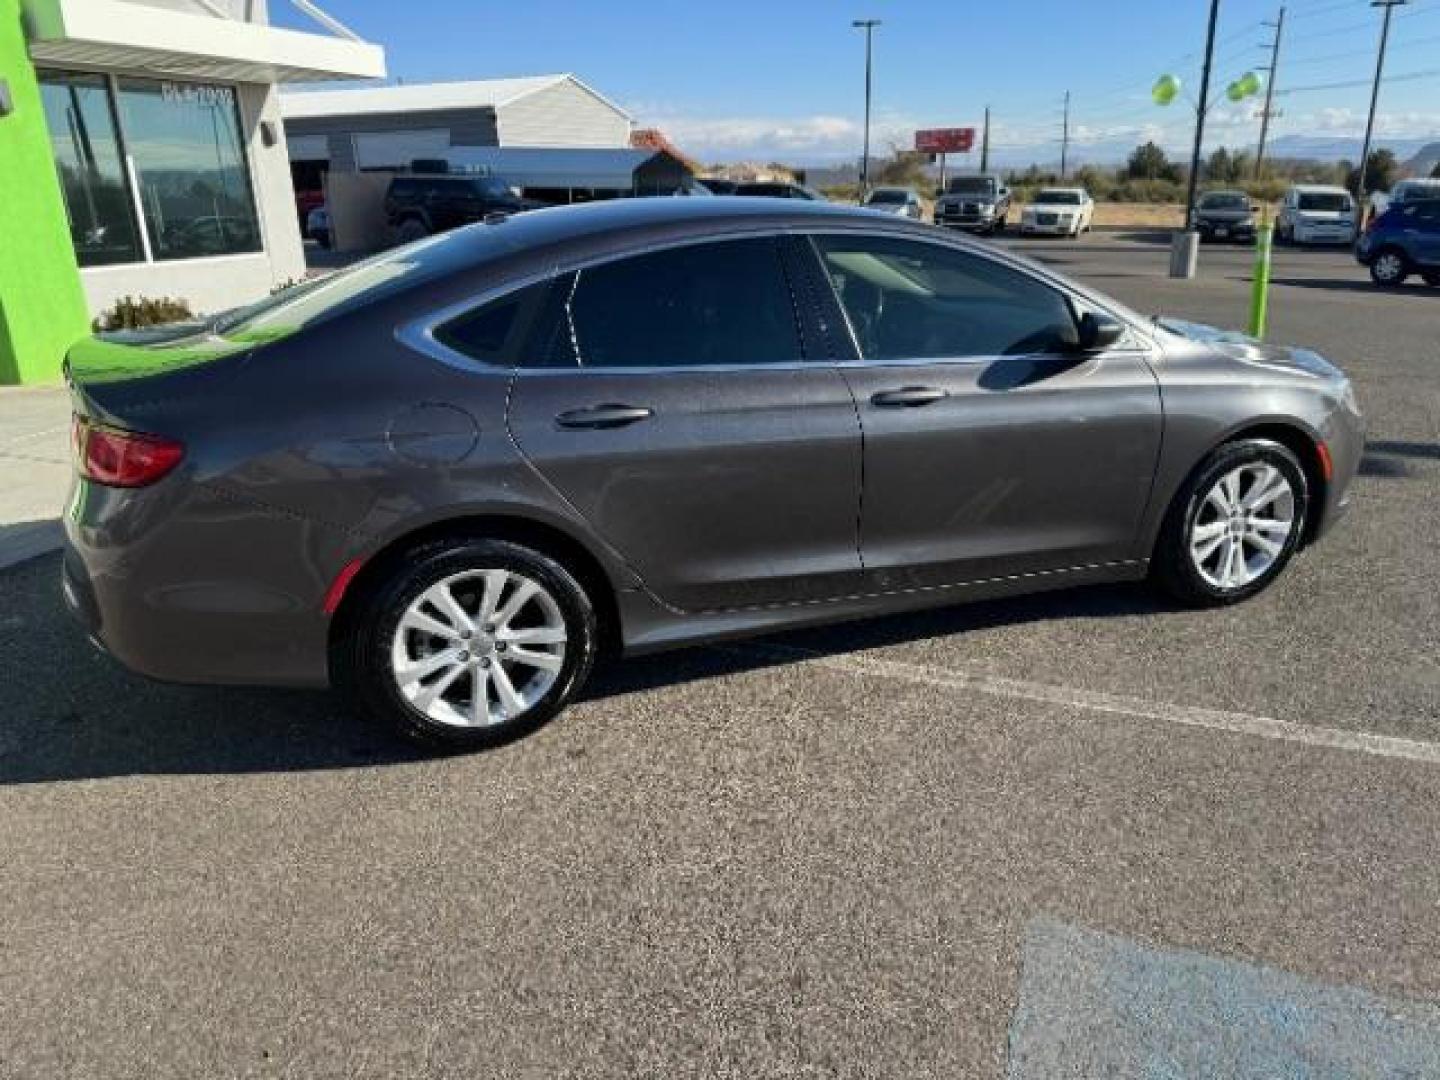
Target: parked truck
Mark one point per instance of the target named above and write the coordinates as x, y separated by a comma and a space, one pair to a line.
979, 203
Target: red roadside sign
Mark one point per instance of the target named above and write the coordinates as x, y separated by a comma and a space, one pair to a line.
945, 140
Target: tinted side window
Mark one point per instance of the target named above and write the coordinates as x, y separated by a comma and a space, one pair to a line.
404, 188
489, 334
721, 303
916, 301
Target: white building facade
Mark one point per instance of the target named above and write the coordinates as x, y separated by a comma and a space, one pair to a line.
165, 123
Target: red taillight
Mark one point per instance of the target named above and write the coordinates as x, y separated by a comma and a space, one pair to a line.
124, 459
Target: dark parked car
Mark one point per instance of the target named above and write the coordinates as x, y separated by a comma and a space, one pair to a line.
419, 205
777, 190
1404, 240
450, 477
1225, 215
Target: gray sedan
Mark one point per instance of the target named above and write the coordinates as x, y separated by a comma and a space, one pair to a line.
449, 478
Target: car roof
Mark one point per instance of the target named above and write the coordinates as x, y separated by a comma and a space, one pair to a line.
1067, 190
1224, 191
1319, 189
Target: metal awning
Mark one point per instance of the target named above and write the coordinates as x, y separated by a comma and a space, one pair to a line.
555, 167
206, 44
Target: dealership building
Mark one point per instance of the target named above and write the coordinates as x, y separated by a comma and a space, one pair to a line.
143, 153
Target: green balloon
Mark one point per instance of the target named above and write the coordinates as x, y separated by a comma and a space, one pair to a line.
1251, 82
1235, 92
1165, 90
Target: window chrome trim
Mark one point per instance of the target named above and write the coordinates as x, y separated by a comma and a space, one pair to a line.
419, 334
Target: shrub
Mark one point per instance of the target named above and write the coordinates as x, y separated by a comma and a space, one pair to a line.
131, 313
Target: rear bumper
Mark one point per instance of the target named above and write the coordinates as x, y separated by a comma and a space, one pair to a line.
180, 586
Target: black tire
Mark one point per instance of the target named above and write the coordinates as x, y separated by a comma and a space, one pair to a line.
1173, 569
363, 658
1389, 267
410, 230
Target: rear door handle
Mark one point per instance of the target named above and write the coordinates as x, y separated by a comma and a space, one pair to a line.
908, 397
604, 416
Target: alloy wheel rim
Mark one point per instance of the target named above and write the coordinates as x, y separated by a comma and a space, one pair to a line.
479, 648
1244, 522
1388, 267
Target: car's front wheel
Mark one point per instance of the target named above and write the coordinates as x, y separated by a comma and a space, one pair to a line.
1234, 525
1389, 268
469, 643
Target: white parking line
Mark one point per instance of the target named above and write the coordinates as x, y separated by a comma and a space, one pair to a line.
1260, 727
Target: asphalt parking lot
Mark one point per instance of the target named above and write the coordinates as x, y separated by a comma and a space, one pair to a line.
1081, 835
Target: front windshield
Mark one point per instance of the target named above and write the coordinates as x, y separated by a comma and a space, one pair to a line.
1325, 202
886, 195
971, 185
1225, 201
1058, 198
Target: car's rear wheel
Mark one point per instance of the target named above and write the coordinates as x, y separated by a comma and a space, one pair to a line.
1389, 267
410, 230
1235, 524
470, 643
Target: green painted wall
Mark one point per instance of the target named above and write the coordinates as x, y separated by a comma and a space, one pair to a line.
42, 307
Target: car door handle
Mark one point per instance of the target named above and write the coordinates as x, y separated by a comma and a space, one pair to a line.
908, 397
604, 416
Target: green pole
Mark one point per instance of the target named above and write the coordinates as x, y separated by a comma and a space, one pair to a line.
1260, 279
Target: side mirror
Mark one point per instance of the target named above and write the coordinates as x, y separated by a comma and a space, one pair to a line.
1099, 331
1254, 208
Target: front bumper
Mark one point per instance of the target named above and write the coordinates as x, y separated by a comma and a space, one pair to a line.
1057, 228
1222, 231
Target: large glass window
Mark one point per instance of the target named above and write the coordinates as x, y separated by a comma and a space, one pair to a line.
705, 304
917, 301
91, 164
189, 157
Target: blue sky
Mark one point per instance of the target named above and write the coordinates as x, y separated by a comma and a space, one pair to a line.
744, 79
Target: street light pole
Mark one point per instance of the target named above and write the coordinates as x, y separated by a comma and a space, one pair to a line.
868, 25
1389, 6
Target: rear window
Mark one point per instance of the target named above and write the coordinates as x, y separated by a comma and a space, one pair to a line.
303, 305
490, 333
1324, 202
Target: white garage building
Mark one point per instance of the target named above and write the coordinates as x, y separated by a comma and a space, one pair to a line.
388, 127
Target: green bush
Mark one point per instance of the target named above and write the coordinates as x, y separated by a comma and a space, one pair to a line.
131, 313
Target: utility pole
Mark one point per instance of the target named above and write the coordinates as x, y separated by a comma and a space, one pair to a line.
1065, 136
985, 143
1200, 115
1270, 77
1389, 6
868, 25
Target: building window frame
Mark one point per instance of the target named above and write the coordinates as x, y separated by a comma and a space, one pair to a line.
131, 172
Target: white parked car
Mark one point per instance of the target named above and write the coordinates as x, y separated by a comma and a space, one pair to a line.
895, 200
1316, 214
1058, 212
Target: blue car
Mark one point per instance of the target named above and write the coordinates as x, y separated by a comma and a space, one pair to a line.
1404, 240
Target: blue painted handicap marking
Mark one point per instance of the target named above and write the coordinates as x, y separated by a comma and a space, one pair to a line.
1094, 1005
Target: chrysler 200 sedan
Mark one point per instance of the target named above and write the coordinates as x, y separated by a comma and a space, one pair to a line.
448, 478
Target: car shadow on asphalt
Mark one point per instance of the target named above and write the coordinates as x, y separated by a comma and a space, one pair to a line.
1389, 459
1358, 284
69, 713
